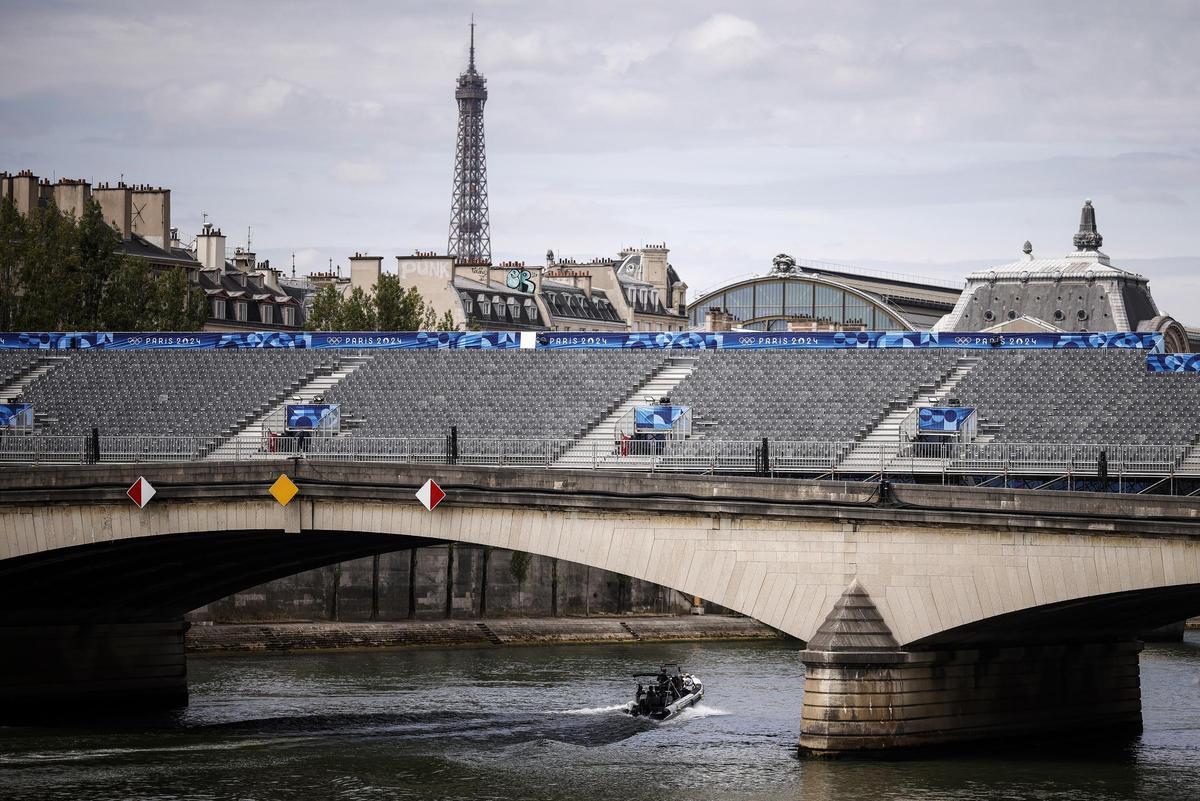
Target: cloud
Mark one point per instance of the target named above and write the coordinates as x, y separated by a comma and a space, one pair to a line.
725, 40
359, 172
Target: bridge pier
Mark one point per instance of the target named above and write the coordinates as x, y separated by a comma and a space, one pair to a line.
67, 668
863, 694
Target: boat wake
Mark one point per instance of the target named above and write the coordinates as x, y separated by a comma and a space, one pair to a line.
696, 712
591, 710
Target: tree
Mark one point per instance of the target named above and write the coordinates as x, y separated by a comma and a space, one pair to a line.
169, 305
358, 312
326, 314
48, 274
128, 294
446, 323
12, 242
97, 244
389, 303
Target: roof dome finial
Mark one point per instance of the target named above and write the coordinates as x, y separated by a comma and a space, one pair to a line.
1027, 248
1088, 237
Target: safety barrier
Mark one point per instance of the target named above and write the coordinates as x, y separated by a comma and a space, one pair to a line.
685, 455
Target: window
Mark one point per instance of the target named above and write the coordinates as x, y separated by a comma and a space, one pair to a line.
798, 299
858, 311
289, 315
266, 313
218, 308
484, 308
741, 302
531, 311
242, 311
514, 310
886, 322
768, 299
828, 306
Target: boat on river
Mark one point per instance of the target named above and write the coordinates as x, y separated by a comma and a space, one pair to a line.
670, 692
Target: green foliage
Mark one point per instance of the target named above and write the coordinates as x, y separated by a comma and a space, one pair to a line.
48, 276
519, 566
127, 299
98, 259
62, 273
12, 237
326, 314
358, 312
389, 308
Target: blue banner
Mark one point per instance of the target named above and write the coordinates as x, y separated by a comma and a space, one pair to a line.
657, 418
838, 340
16, 415
1173, 362
441, 340
551, 340
311, 416
943, 419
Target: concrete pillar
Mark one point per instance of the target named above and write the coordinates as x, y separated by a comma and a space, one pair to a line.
68, 668
863, 694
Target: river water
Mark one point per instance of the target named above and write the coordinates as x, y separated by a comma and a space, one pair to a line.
541, 722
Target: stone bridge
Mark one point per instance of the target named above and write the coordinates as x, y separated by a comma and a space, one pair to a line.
931, 614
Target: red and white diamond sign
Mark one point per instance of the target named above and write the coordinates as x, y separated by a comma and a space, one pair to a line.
141, 492
430, 495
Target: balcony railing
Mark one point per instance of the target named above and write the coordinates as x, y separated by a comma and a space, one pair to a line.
682, 455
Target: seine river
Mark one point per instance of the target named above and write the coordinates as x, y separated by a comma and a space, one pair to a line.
533, 723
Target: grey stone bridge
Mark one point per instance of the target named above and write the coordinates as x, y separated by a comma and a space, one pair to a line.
930, 614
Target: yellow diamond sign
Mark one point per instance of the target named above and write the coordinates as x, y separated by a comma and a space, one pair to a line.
283, 490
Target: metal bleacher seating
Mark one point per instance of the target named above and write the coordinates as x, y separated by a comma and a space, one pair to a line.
501, 393
159, 393
829, 395
14, 362
1082, 396
1022, 396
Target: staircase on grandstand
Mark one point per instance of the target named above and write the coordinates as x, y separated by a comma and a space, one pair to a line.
880, 447
249, 439
1190, 464
11, 391
598, 447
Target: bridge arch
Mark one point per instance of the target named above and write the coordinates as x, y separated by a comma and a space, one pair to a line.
953, 613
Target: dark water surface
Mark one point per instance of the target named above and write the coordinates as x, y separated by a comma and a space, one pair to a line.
532, 723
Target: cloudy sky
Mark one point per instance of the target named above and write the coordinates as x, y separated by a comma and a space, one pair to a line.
928, 138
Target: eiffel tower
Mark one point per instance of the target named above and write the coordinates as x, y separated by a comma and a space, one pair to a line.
470, 236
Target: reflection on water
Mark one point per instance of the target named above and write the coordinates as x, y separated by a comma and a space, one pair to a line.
546, 723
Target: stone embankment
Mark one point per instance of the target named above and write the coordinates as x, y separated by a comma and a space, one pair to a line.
259, 637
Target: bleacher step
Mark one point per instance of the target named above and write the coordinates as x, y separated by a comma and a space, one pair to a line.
597, 443
248, 438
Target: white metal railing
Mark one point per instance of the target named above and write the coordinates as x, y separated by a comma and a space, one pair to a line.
692, 455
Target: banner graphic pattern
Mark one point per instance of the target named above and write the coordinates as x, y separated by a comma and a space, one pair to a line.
1173, 362
487, 340
311, 416
16, 415
943, 418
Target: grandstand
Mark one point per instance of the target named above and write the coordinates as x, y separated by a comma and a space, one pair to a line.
501, 394
830, 411
200, 394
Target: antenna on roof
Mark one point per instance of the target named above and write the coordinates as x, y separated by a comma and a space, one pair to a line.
248, 232
293, 265
471, 63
